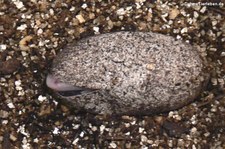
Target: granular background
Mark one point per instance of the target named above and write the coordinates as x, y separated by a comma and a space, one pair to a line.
32, 33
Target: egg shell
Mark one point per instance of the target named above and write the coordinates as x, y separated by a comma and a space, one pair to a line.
134, 73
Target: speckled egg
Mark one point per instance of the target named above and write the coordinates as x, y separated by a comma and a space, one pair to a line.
127, 73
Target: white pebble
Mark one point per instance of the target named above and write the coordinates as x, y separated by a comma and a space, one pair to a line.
11, 105
39, 31
140, 1
21, 92
138, 6
213, 49
127, 134
72, 8
163, 16
24, 53
196, 14
222, 54
121, 11
206, 134
21, 129
183, 12
184, 30
193, 130
94, 128
96, 29
140, 130
102, 128
55, 102
194, 147
18, 4
144, 138
82, 134
18, 82
51, 12
2, 47
36, 140
5, 122
190, 20
203, 9
84, 6
128, 8
214, 23
133, 122
113, 145
170, 114
193, 120
22, 27
29, 16
75, 141
76, 126
41, 43
26, 144
170, 22
42, 98
56, 131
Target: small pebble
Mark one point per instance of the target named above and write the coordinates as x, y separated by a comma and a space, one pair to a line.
22, 27
96, 29
11, 105
84, 6
196, 14
173, 129
184, 30
9, 66
23, 43
4, 114
18, 4
121, 11
174, 13
203, 9
80, 18
113, 145
3, 47
42, 98
56, 131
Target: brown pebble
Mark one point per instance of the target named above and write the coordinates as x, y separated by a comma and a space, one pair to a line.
3, 55
159, 119
23, 43
1, 28
174, 129
44, 110
64, 108
174, 13
6, 142
223, 66
9, 66
4, 114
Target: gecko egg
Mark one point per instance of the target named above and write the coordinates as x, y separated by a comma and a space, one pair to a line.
128, 73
